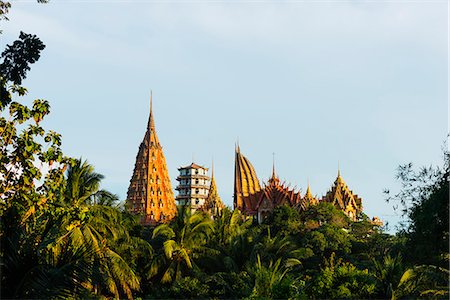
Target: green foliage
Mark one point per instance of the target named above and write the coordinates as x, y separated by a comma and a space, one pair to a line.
269, 280
181, 244
338, 279
424, 200
284, 220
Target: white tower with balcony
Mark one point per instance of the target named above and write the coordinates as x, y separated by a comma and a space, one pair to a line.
193, 186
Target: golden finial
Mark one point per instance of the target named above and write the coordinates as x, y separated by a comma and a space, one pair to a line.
308, 190
151, 122
273, 165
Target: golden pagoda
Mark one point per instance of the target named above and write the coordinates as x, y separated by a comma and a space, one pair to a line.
150, 192
308, 199
213, 204
343, 198
246, 182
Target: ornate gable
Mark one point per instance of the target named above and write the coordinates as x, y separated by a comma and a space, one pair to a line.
343, 198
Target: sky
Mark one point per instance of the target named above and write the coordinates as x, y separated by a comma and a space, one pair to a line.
359, 84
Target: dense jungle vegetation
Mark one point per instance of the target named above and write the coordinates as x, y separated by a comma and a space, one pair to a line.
62, 236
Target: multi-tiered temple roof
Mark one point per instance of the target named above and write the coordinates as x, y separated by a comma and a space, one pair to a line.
343, 198
308, 199
150, 192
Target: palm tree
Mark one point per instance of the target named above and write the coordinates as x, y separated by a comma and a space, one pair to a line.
396, 281
182, 244
388, 273
272, 248
232, 240
97, 225
83, 186
266, 278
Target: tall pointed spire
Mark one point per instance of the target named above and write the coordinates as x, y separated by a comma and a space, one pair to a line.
339, 169
151, 122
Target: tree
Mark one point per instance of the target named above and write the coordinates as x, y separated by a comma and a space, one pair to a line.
31, 174
424, 201
268, 279
339, 279
182, 244
52, 241
395, 281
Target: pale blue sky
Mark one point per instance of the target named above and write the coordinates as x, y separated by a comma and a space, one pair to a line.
317, 82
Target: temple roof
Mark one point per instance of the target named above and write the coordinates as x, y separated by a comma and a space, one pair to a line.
246, 182
245, 171
342, 197
192, 166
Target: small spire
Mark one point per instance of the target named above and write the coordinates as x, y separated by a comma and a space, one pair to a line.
212, 169
308, 190
151, 123
273, 165
238, 149
339, 170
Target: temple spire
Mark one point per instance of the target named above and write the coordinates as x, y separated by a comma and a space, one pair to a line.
339, 170
308, 190
151, 122
273, 165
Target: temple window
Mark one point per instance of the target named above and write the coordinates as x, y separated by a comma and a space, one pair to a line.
196, 191
160, 203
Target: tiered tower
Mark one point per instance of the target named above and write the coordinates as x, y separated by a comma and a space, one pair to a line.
150, 192
193, 186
